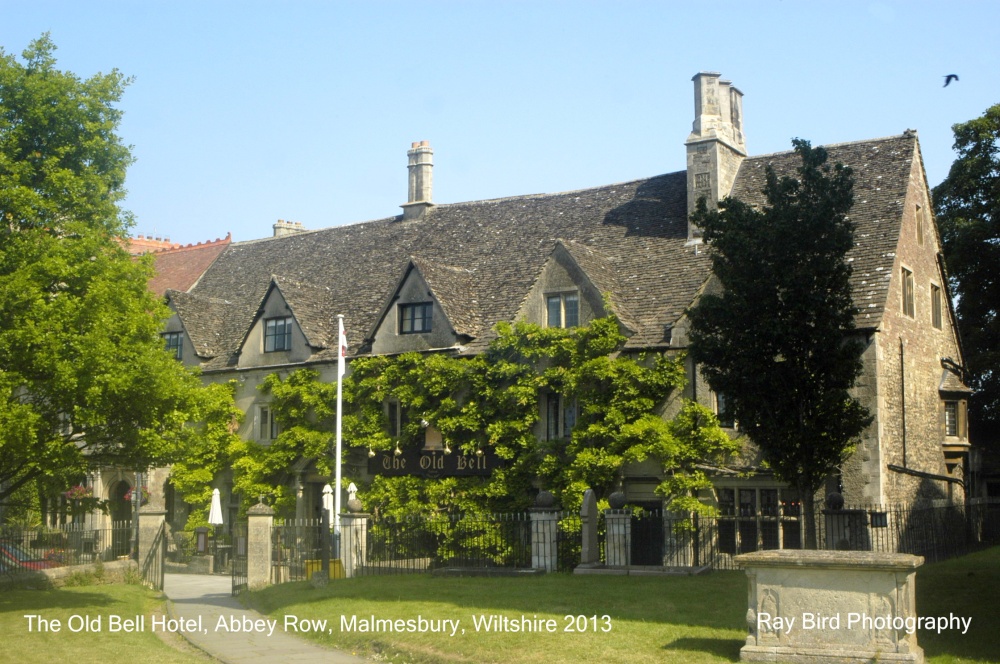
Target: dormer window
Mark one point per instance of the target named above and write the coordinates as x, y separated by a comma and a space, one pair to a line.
415, 318
175, 343
277, 334
563, 310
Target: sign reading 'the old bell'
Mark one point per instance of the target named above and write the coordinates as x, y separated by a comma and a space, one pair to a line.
433, 463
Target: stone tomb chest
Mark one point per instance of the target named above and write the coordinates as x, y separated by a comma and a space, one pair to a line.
830, 606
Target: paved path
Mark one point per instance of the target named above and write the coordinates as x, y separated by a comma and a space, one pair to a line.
195, 597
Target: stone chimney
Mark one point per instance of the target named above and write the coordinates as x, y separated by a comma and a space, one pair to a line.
282, 227
716, 147
421, 165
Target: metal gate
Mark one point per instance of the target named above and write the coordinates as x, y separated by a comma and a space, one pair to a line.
239, 558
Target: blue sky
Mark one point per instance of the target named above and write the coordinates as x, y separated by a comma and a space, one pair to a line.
244, 113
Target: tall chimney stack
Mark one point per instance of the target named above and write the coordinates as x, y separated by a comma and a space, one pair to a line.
716, 146
421, 180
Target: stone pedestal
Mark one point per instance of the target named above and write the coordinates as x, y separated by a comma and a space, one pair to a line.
544, 532
353, 541
618, 547
830, 606
260, 518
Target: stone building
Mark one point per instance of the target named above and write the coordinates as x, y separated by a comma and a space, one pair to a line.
439, 277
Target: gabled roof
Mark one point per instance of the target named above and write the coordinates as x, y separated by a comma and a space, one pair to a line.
312, 308
482, 257
881, 176
179, 267
602, 275
213, 325
454, 289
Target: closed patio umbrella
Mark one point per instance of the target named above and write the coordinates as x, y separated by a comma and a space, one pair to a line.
215, 512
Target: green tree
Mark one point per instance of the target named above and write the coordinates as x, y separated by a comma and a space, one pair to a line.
777, 341
84, 378
967, 204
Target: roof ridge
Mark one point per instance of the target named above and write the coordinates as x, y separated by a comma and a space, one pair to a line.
838, 145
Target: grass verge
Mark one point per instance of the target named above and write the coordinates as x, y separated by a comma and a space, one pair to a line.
662, 619
44, 647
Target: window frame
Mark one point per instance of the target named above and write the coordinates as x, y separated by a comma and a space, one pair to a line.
169, 339
561, 415
936, 309
954, 424
408, 318
921, 215
271, 335
267, 427
563, 298
907, 295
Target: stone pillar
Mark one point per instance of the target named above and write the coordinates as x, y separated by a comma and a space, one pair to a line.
544, 533
260, 518
590, 552
618, 545
150, 523
353, 541
544, 529
828, 607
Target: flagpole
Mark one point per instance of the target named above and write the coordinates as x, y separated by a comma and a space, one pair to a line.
341, 352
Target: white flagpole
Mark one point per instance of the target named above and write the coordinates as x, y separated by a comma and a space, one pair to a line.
341, 352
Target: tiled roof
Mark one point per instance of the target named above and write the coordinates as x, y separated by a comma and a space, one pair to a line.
455, 290
481, 258
312, 307
178, 268
215, 326
881, 175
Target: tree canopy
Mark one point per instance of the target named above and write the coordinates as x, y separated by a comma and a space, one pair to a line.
84, 377
777, 340
967, 204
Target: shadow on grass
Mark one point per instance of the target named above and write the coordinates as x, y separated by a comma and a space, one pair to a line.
38, 600
725, 648
673, 600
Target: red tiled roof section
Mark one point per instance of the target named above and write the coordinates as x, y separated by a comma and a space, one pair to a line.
179, 268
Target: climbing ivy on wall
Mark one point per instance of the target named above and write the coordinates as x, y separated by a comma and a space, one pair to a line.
494, 400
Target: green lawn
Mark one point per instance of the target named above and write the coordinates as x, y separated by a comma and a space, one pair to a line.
662, 619
127, 601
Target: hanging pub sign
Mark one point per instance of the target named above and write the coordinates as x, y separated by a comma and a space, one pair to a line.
433, 463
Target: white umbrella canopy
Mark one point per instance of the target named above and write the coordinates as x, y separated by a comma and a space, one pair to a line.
215, 512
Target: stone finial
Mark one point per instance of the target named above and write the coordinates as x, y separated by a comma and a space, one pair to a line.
545, 500
589, 507
260, 509
616, 500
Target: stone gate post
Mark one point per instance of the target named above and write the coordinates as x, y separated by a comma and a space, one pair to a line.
590, 552
260, 518
544, 533
353, 541
618, 546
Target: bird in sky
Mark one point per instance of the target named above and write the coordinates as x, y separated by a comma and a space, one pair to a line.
949, 78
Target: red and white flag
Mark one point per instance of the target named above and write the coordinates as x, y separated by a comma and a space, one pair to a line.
341, 368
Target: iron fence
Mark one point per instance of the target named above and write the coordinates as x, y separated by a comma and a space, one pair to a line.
296, 548
416, 544
41, 548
